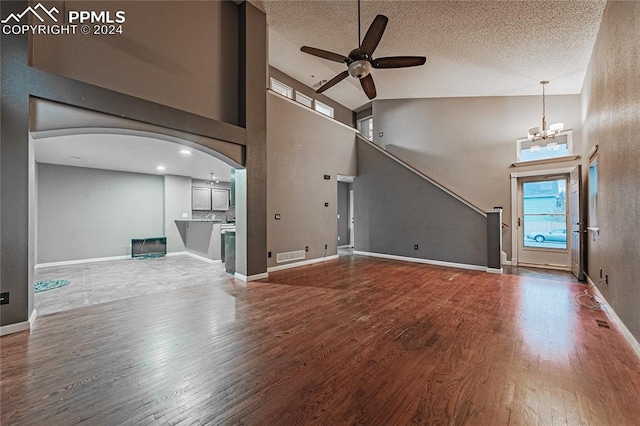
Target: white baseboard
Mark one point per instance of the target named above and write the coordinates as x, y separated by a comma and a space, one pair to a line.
79, 261
426, 261
197, 256
303, 263
345, 246
32, 317
14, 328
255, 277
495, 270
615, 318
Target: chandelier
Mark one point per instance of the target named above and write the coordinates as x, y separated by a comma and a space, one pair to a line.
554, 130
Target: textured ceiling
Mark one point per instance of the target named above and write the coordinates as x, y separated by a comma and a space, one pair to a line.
473, 48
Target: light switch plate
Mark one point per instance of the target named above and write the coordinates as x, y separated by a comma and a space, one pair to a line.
185, 215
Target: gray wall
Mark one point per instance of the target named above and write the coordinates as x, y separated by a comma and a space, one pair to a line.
303, 146
195, 73
343, 213
341, 112
89, 213
469, 144
176, 202
395, 209
611, 111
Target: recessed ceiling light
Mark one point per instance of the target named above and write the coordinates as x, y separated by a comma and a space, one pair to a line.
217, 181
185, 152
161, 168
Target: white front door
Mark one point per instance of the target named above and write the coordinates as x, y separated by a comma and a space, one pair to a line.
543, 222
577, 227
352, 220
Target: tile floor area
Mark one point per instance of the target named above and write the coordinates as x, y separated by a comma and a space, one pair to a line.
99, 282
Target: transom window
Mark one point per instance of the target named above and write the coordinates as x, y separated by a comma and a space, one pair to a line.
281, 88
323, 108
560, 146
304, 99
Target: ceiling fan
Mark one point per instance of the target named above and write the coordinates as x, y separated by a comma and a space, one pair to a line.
360, 60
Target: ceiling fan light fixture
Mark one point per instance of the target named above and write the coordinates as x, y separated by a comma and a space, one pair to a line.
359, 69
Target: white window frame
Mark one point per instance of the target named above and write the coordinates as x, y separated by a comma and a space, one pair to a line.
359, 127
304, 99
323, 108
281, 88
543, 143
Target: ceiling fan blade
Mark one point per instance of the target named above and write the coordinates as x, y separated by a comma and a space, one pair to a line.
368, 86
335, 80
374, 34
325, 54
398, 62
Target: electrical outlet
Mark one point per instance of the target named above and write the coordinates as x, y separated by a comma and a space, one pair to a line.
600, 272
4, 298
326, 204
306, 248
606, 279
269, 254
326, 246
415, 247
338, 237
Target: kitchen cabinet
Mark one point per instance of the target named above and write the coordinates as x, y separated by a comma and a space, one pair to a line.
219, 199
200, 198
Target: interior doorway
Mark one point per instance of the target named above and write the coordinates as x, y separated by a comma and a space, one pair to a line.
345, 211
544, 206
115, 212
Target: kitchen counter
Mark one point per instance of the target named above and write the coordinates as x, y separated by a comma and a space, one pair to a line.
201, 237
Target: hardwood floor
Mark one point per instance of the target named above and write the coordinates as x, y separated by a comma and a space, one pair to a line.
354, 340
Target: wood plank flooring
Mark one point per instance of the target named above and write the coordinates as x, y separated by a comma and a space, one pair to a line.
352, 341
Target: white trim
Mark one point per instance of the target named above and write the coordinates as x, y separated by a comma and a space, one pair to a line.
515, 203
303, 263
635, 345
495, 270
32, 317
345, 246
255, 277
418, 260
545, 161
560, 171
423, 176
299, 105
14, 328
110, 258
197, 256
546, 266
79, 261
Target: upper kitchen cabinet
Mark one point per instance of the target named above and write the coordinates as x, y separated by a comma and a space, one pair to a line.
219, 199
200, 198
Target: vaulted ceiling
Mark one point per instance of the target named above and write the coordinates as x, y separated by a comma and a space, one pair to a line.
473, 48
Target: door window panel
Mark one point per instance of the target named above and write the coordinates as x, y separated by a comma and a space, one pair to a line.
545, 214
